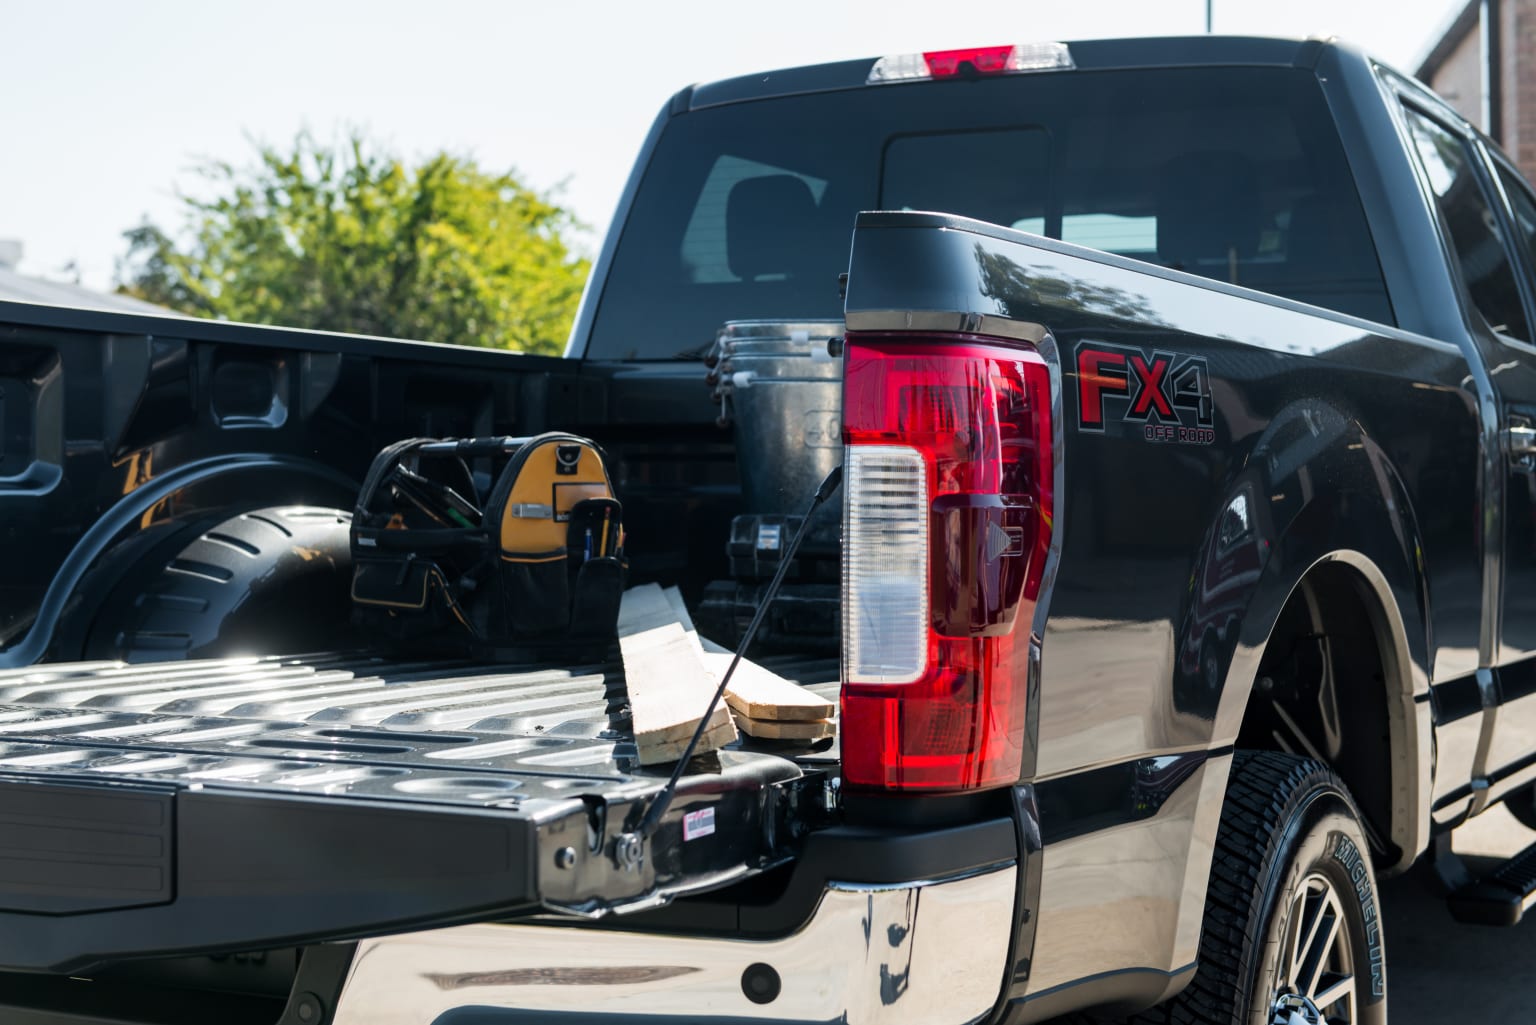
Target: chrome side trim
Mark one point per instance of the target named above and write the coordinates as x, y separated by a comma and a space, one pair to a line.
947, 321
924, 953
838, 887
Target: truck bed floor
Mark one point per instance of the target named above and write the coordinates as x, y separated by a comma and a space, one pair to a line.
241, 803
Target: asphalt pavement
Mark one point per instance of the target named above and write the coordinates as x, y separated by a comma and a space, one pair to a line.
1440, 972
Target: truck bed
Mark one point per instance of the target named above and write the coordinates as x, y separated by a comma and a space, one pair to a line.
242, 803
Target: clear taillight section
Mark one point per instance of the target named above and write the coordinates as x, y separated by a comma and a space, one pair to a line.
885, 578
948, 475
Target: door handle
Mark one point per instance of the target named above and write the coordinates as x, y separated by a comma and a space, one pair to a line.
1520, 439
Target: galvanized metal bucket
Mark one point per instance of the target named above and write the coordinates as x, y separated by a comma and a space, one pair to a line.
781, 391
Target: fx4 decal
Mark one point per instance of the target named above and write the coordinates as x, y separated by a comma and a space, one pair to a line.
1166, 395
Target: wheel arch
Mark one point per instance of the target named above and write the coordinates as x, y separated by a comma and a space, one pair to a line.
1398, 637
115, 545
273, 580
1331, 515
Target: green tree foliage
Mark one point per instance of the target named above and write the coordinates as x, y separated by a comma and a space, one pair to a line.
349, 239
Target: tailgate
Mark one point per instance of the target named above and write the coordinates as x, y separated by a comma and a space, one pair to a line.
249, 803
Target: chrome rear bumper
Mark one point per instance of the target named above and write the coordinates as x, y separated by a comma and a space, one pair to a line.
928, 953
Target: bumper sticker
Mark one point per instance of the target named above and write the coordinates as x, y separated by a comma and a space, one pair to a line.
698, 823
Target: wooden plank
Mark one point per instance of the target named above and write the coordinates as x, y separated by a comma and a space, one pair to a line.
774, 730
758, 693
663, 751
755, 692
674, 599
669, 686
647, 607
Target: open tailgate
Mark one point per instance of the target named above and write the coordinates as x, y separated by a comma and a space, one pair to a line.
242, 804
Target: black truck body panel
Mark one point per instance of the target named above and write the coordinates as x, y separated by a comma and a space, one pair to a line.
1315, 455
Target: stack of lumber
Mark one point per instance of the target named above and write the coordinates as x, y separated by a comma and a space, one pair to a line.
669, 686
672, 673
766, 704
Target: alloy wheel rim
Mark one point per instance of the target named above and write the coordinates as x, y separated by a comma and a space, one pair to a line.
1315, 980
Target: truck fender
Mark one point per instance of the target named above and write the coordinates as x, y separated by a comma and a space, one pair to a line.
1334, 519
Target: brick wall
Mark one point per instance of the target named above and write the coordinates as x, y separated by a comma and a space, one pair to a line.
1518, 24
1459, 80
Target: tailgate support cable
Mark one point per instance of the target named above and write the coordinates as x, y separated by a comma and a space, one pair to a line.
658, 807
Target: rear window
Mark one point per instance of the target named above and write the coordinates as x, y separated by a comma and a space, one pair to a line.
747, 210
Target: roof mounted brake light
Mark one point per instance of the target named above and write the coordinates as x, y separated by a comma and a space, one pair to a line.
978, 60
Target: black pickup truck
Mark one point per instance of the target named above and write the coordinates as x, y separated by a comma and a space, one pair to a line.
1189, 522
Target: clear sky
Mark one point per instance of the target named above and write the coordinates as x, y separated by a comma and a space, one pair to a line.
106, 105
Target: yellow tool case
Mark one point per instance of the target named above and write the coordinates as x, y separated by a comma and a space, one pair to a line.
485, 544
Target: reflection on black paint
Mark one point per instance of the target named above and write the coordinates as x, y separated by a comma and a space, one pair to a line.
1022, 290
1111, 796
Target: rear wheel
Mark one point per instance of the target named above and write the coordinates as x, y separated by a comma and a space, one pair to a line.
1292, 931
1317, 975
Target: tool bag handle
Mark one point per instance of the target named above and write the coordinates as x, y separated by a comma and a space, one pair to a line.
474, 447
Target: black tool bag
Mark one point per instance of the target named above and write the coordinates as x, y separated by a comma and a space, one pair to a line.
488, 546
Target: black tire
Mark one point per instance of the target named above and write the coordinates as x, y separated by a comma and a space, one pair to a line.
269, 581
1289, 835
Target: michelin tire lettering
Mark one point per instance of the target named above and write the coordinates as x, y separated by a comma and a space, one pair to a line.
1348, 855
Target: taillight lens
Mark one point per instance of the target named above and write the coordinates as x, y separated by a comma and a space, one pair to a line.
885, 603
981, 60
947, 524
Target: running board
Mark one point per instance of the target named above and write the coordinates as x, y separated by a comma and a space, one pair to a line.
1502, 896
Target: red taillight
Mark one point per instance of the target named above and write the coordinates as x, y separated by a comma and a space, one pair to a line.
980, 60
987, 60
948, 486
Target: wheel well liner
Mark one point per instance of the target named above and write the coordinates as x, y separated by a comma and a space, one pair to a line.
1379, 737
59, 617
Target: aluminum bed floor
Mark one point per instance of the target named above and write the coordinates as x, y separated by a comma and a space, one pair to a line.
185, 807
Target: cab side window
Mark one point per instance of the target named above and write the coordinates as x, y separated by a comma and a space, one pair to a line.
1522, 209
1469, 217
